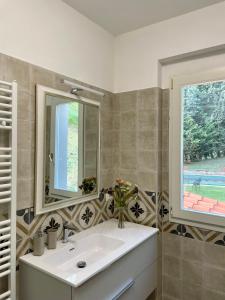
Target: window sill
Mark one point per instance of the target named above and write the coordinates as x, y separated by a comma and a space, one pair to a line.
196, 224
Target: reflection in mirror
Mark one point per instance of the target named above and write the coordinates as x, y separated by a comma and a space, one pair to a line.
71, 149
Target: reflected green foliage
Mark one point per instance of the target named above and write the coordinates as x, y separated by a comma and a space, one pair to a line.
73, 113
72, 150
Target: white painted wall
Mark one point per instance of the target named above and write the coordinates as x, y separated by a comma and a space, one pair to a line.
137, 53
50, 34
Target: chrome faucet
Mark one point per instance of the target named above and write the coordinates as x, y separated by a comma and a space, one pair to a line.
66, 228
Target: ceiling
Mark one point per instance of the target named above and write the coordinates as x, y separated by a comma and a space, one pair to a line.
120, 16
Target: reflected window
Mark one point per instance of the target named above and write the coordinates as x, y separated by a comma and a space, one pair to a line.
68, 124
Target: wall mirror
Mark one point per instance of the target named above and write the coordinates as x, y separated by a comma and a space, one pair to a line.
67, 149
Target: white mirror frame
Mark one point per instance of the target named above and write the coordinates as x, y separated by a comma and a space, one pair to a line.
41, 92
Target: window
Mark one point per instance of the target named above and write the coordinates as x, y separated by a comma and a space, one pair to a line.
197, 149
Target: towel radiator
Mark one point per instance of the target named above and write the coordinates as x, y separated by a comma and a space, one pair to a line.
8, 177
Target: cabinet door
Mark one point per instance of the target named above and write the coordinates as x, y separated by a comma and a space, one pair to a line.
143, 285
36, 285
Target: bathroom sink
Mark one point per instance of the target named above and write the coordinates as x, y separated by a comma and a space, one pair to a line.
89, 249
97, 248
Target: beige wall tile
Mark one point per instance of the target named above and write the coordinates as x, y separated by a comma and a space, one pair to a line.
147, 119
128, 120
192, 272
192, 249
149, 98
106, 139
191, 292
130, 175
106, 159
128, 140
128, 159
116, 103
106, 121
14, 69
214, 255
127, 101
172, 266
148, 160
148, 180
214, 278
165, 181
40, 76
171, 244
115, 121
26, 164
26, 135
166, 297
147, 140
172, 287
26, 106
210, 294
25, 193
165, 99
115, 139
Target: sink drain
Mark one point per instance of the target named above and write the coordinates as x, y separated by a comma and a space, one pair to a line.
81, 264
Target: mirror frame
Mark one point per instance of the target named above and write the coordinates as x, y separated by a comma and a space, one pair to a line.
41, 92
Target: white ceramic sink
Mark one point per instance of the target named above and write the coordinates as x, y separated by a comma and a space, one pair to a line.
89, 249
99, 246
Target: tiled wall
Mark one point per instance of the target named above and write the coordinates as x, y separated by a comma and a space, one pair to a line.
137, 119
134, 145
122, 124
193, 258
83, 215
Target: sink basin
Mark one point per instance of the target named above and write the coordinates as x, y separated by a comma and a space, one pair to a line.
99, 247
89, 249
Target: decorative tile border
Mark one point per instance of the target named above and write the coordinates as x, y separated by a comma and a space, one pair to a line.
186, 231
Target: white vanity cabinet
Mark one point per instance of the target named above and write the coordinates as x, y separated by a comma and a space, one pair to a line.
128, 272
132, 277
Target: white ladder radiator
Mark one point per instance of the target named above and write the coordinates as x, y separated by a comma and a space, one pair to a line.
8, 177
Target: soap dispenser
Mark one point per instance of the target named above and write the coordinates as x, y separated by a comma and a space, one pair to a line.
38, 243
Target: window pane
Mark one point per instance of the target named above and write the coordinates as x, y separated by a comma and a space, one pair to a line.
203, 185
66, 147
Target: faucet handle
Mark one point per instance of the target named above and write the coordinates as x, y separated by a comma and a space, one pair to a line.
65, 224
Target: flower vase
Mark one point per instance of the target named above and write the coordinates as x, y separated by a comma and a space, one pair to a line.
121, 217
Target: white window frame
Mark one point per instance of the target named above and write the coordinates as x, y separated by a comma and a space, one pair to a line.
177, 214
